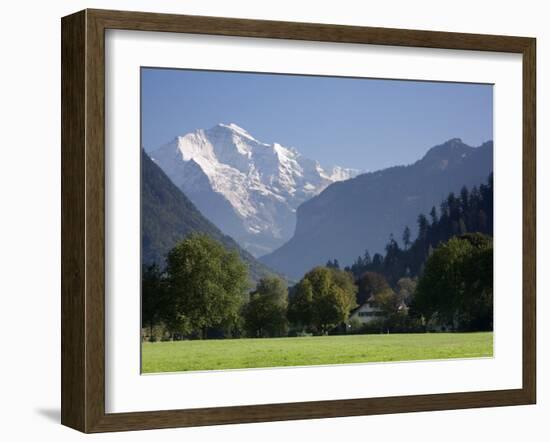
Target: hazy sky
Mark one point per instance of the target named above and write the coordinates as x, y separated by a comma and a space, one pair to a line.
362, 123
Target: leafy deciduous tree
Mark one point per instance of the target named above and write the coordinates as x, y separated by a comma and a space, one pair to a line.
457, 283
323, 299
370, 283
405, 288
152, 296
206, 283
265, 315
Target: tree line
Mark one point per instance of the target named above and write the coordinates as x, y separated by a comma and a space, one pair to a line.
204, 292
470, 211
442, 280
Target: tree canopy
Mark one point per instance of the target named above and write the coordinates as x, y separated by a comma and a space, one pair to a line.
457, 283
152, 296
323, 299
370, 283
207, 284
265, 315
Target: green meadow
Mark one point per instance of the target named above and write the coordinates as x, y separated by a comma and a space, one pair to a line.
224, 354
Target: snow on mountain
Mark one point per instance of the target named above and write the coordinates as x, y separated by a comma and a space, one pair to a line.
249, 189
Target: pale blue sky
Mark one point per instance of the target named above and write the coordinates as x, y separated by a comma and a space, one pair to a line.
362, 123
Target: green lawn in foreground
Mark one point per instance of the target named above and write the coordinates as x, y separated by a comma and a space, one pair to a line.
278, 352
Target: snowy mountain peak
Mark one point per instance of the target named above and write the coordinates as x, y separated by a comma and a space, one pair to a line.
340, 173
249, 189
237, 129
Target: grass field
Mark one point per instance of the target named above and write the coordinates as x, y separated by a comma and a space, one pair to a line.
279, 352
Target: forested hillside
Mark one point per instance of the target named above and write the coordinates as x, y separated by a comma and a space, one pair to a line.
469, 211
362, 212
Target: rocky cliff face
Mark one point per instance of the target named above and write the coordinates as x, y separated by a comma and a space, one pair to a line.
361, 213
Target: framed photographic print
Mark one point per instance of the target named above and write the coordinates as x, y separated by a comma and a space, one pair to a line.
267, 220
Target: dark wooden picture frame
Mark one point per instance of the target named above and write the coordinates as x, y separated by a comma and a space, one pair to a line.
83, 220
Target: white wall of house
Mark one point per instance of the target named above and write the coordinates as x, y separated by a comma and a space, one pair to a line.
366, 313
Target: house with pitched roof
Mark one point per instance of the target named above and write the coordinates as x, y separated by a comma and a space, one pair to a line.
367, 312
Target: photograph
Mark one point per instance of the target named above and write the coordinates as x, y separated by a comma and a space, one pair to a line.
293, 220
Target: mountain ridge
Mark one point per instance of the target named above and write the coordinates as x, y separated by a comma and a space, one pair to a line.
360, 213
249, 189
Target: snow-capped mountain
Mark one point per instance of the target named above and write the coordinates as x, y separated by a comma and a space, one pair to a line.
249, 189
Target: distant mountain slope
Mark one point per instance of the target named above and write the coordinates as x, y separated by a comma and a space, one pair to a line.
361, 213
247, 188
167, 216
